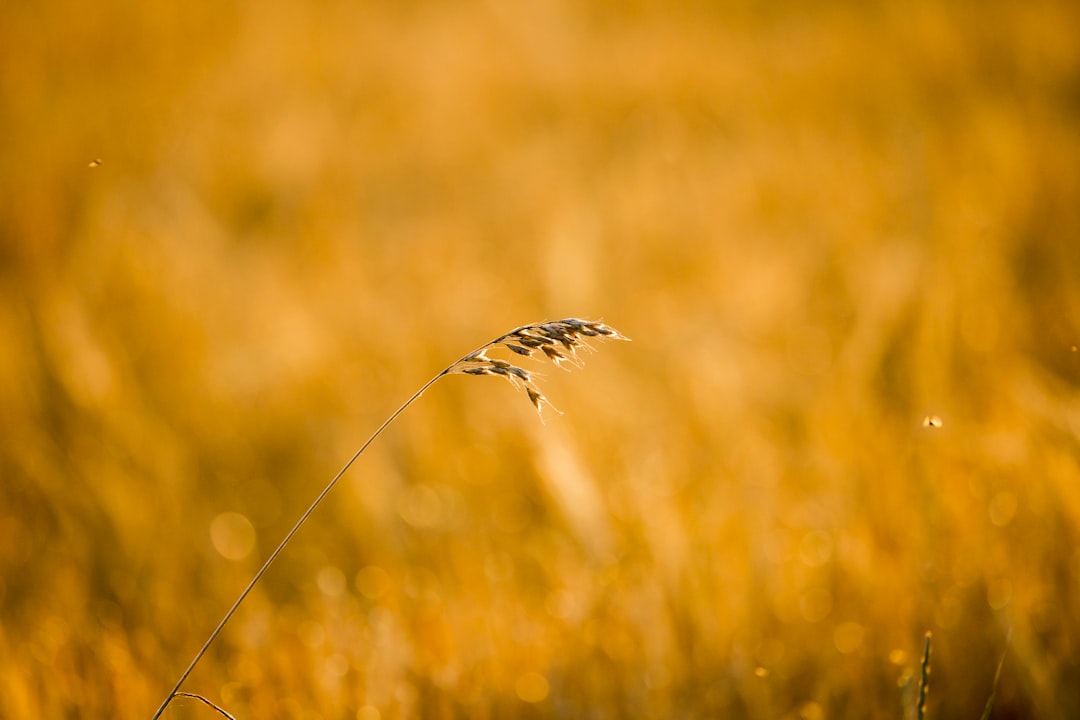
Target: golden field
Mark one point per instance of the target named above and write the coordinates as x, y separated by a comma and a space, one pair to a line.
235, 236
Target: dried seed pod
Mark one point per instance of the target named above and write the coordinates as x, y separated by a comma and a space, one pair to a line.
556, 356
517, 349
535, 397
533, 340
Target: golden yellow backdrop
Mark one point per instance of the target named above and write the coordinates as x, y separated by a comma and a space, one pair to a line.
844, 237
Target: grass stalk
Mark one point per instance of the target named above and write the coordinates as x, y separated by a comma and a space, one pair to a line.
559, 341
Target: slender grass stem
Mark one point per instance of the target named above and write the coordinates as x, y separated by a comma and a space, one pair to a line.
557, 340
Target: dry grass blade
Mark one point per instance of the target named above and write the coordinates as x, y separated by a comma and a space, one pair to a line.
559, 341
997, 678
201, 699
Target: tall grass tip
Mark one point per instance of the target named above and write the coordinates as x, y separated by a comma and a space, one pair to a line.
560, 341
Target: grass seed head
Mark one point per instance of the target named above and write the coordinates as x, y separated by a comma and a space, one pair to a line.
558, 341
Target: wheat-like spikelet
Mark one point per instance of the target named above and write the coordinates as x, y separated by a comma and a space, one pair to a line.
924, 680
559, 341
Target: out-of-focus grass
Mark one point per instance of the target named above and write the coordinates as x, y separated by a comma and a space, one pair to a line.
819, 224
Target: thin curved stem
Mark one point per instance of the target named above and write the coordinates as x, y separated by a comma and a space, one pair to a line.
285, 541
204, 701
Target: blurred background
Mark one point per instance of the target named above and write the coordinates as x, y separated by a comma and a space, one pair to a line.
235, 236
